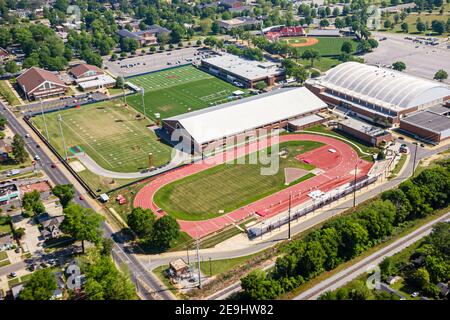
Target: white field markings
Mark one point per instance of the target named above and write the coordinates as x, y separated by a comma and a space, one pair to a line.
87, 143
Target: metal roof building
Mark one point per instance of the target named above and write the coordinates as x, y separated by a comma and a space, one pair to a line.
427, 125
373, 91
268, 111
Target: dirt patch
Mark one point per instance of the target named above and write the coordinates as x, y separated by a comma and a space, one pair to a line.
77, 166
307, 43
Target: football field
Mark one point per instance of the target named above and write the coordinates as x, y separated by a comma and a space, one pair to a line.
178, 90
225, 187
109, 133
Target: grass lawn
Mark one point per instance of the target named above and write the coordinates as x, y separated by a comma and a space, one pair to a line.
425, 16
323, 64
100, 184
4, 229
226, 187
329, 46
398, 166
109, 133
7, 94
4, 263
175, 91
221, 266
9, 165
3, 255
364, 147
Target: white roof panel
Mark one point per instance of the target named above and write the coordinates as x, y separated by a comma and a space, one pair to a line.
223, 121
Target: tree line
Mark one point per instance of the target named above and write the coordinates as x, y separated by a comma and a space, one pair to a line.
344, 238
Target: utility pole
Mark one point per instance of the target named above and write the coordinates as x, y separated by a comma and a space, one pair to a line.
289, 217
62, 136
414, 162
45, 122
198, 262
210, 268
354, 184
187, 253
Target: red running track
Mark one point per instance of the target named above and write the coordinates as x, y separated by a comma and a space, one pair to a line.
338, 169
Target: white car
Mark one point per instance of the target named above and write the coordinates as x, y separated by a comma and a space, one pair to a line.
37, 158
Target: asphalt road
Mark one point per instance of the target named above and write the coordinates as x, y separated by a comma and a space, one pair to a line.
57, 176
350, 273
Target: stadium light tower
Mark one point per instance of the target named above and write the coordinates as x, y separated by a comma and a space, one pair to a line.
62, 136
289, 217
143, 104
354, 183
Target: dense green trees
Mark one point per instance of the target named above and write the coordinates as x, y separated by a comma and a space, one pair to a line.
31, 202
18, 149
41, 286
65, 193
141, 222
399, 66
346, 237
82, 224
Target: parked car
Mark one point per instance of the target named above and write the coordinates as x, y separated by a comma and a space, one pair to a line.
13, 275
37, 158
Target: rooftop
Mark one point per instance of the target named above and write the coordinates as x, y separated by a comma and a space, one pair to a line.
382, 86
233, 118
429, 121
248, 69
82, 68
363, 127
34, 77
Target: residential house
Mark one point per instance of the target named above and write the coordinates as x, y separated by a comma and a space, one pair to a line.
145, 37
4, 55
38, 83
50, 225
5, 150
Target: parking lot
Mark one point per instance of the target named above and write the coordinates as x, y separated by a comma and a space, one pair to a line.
153, 62
420, 59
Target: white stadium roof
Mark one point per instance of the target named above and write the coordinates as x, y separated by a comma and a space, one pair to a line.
227, 120
381, 86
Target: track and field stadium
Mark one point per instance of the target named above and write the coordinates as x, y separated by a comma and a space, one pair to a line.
333, 161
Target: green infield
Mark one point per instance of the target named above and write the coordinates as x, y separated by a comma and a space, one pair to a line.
293, 40
179, 90
226, 187
111, 134
329, 46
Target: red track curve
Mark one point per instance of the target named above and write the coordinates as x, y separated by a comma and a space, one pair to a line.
338, 169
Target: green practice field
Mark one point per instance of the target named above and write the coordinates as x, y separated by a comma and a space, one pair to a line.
226, 187
179, 90
329, 46
109, 133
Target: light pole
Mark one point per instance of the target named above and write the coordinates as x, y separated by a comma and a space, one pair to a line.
289, 217
354, 184
143, 104
62, 136
415, 157
45, 122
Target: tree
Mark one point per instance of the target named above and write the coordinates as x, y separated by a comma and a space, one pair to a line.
41, 286
82, 224
381, 155
324, 23
165, 229
65, 193
19, 233
420, 26
399, 66
18, 149
405, 27
31, 202
440, 75
387, 267
401, 203
347, 47
300, 74
11, 67
419, 278
438, 26
3, 123
312, 55
387, 24
199, 42
120, 82
260, 85
141, 221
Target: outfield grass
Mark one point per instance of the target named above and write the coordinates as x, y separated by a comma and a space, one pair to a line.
226, 187
109, 133
329, 46
179, 90
323, 64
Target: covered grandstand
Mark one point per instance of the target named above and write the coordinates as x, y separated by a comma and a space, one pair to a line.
214, 126
273, 33
377, 94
